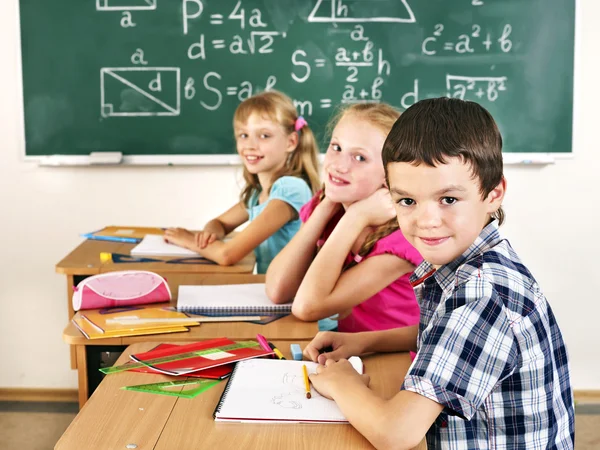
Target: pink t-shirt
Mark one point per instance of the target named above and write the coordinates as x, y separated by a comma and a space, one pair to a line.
395, 305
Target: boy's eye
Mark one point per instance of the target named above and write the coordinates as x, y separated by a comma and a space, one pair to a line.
265, 136
335, 148
449, 200
242, 135
406, 202
360, 158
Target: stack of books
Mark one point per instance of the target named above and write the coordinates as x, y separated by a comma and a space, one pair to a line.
115, 233
131, 321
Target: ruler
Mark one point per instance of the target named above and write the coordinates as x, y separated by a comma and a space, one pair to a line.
191, 388
179, 357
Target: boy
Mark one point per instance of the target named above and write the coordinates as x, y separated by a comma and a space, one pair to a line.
491, 369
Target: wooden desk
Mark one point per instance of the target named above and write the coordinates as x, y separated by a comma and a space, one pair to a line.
114, 418
85, 261
287, 330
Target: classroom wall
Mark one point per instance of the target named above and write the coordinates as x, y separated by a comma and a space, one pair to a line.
553, 222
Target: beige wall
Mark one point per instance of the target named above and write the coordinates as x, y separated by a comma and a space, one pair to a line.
552, 222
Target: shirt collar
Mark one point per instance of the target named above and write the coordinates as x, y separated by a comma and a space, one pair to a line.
446, 274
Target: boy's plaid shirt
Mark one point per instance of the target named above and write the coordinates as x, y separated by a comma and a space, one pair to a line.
491, 352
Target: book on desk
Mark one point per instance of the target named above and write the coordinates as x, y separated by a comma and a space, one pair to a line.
103, 323
230, 299
155, 245
125, 234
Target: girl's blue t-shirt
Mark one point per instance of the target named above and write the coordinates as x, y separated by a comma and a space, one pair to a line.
295, 192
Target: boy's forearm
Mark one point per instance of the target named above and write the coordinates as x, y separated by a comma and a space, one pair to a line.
372, 416
395, 340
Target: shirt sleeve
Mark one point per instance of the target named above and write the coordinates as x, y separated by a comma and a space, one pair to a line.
292, 190
467, 348
396, 244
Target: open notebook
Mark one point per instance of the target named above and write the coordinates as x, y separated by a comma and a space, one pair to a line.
155, 245
268, 390
229, 299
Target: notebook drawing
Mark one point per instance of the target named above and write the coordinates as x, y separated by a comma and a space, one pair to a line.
230, 299
269, 390
155, 245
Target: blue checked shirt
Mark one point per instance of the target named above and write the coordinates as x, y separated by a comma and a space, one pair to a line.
491, 352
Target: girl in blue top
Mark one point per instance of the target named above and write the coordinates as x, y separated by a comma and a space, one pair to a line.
279, 153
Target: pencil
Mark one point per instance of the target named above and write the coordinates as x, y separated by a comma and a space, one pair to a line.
306, 382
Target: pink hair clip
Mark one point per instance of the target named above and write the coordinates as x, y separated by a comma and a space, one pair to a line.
300, 123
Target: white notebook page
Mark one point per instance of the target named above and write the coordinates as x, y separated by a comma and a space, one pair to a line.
155, 245
224, 296
267, 389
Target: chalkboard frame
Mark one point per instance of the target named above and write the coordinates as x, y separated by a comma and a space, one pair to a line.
234, 160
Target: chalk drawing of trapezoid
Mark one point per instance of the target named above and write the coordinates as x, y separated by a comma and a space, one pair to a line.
355, 11
140, 91
125, 5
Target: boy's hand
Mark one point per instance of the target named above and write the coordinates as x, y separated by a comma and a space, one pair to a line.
343, 345
376, 209
204, 238
180, 236
335, 375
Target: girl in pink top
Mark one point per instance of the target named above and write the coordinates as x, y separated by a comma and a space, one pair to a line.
349, 257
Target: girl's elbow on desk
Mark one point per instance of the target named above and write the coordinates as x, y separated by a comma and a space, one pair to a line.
225, 257
305, 312
276, 293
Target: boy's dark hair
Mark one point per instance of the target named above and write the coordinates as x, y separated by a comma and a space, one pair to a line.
433, 130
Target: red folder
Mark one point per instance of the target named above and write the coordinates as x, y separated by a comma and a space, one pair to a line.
214, 373
221, 356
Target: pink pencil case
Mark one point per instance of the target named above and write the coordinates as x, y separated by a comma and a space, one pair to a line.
123, 288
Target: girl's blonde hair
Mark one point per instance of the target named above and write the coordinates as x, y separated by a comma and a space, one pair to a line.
302, 162
382, 116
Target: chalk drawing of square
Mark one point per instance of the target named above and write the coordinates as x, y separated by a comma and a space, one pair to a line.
120, 74
125, 5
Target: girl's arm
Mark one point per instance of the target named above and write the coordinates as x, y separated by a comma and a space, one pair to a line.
275, 215
222, 225
326, 290
398, 423
286, 271
215, 229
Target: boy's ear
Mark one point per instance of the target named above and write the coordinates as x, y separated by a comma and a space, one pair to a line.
293, 140
496, 196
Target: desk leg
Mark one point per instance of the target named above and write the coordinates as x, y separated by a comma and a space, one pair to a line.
71, 313
82, 374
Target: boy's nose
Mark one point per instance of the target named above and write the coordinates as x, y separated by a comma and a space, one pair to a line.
429, 216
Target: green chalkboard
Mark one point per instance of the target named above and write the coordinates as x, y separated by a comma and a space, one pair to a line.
163, 77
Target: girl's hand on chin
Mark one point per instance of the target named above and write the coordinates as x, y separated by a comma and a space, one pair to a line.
376, 209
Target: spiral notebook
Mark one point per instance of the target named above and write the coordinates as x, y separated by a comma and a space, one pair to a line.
272, 390
229, 299
155, 245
